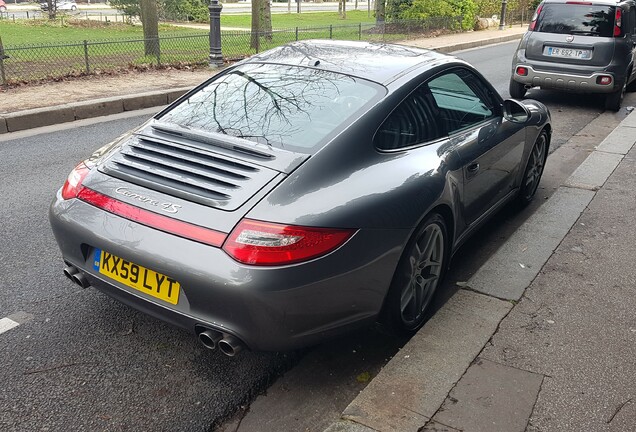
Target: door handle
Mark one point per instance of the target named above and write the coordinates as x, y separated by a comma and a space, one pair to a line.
473, 168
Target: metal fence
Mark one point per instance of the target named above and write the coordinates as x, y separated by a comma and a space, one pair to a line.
24, 63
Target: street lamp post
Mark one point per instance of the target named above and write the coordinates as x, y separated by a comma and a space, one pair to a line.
502, 20
216, 57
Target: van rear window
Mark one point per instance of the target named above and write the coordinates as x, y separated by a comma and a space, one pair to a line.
589, 20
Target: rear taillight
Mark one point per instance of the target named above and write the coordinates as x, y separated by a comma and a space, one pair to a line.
269, 244
618, 22
73, 183
535, 17
604, 80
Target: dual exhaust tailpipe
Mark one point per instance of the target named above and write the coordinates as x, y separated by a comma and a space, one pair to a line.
76, 276
226, 343
211, 339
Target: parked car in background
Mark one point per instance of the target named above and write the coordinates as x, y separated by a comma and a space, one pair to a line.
60, 5
3, 6
579, 46
310, 189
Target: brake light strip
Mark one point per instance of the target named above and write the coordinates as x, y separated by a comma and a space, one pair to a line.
151, 219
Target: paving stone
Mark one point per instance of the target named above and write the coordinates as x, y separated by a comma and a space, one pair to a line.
491, 397
509, 271
348, 426
413, 385
620, 141
594, 171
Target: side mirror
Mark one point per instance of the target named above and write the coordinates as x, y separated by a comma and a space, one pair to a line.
515, 111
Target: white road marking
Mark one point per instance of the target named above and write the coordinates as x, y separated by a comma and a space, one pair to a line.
7, 324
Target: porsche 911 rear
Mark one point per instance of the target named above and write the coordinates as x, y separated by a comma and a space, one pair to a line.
308, 190
160, 219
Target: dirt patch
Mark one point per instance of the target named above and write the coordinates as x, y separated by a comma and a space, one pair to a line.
18, 98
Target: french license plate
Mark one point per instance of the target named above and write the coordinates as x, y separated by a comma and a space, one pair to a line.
137, 277
567, 52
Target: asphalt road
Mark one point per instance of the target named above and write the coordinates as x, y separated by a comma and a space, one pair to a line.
81, 361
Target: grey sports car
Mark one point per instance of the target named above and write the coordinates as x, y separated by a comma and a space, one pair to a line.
305, 191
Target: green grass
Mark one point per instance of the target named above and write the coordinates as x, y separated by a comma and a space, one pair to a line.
179, 46
45, 32
305, 19
41, 31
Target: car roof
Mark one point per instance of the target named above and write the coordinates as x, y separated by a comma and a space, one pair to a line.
378, 62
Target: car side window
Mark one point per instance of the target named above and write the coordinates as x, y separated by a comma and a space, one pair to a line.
462, 98
414, 121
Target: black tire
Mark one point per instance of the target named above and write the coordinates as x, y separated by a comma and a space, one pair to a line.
534, 170
614, 100
3, 9
517, 90
417, 277
73, 8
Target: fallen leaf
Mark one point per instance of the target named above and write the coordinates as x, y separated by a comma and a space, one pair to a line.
364, 377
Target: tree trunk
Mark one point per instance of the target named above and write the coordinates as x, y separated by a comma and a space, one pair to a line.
261, 22
379, 12
52, 8
344, 9
266, 19
150, 23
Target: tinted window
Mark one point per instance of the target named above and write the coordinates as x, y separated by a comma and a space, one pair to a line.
576, 19
413, 122
462, 99
284, 106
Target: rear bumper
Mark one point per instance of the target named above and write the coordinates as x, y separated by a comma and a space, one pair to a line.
269, 309
563, 81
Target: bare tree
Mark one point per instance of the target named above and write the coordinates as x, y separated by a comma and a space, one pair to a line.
150, 23
261, 22
343, 13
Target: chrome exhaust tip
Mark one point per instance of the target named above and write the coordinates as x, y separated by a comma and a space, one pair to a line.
230, 346
70, 271
80, 280
210, 338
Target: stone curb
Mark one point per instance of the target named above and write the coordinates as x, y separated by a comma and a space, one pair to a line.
477, 43
379, 408
38, 117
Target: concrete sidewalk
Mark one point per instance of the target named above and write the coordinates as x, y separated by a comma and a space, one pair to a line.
69, 104
543, 337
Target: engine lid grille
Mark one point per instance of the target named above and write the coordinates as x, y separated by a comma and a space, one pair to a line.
187, 169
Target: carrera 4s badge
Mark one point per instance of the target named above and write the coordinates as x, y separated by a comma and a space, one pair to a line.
165, 206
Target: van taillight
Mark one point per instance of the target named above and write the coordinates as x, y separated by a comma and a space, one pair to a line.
618, 22
535, 17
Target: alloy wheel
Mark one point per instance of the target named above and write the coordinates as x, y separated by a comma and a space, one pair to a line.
425, 262
535, 167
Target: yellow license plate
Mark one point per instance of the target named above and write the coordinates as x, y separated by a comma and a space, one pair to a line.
137, 277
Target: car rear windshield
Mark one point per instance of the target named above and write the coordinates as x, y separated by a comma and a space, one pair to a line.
590, 20
288, 107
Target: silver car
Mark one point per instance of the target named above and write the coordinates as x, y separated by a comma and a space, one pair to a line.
578, 46
306, 191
